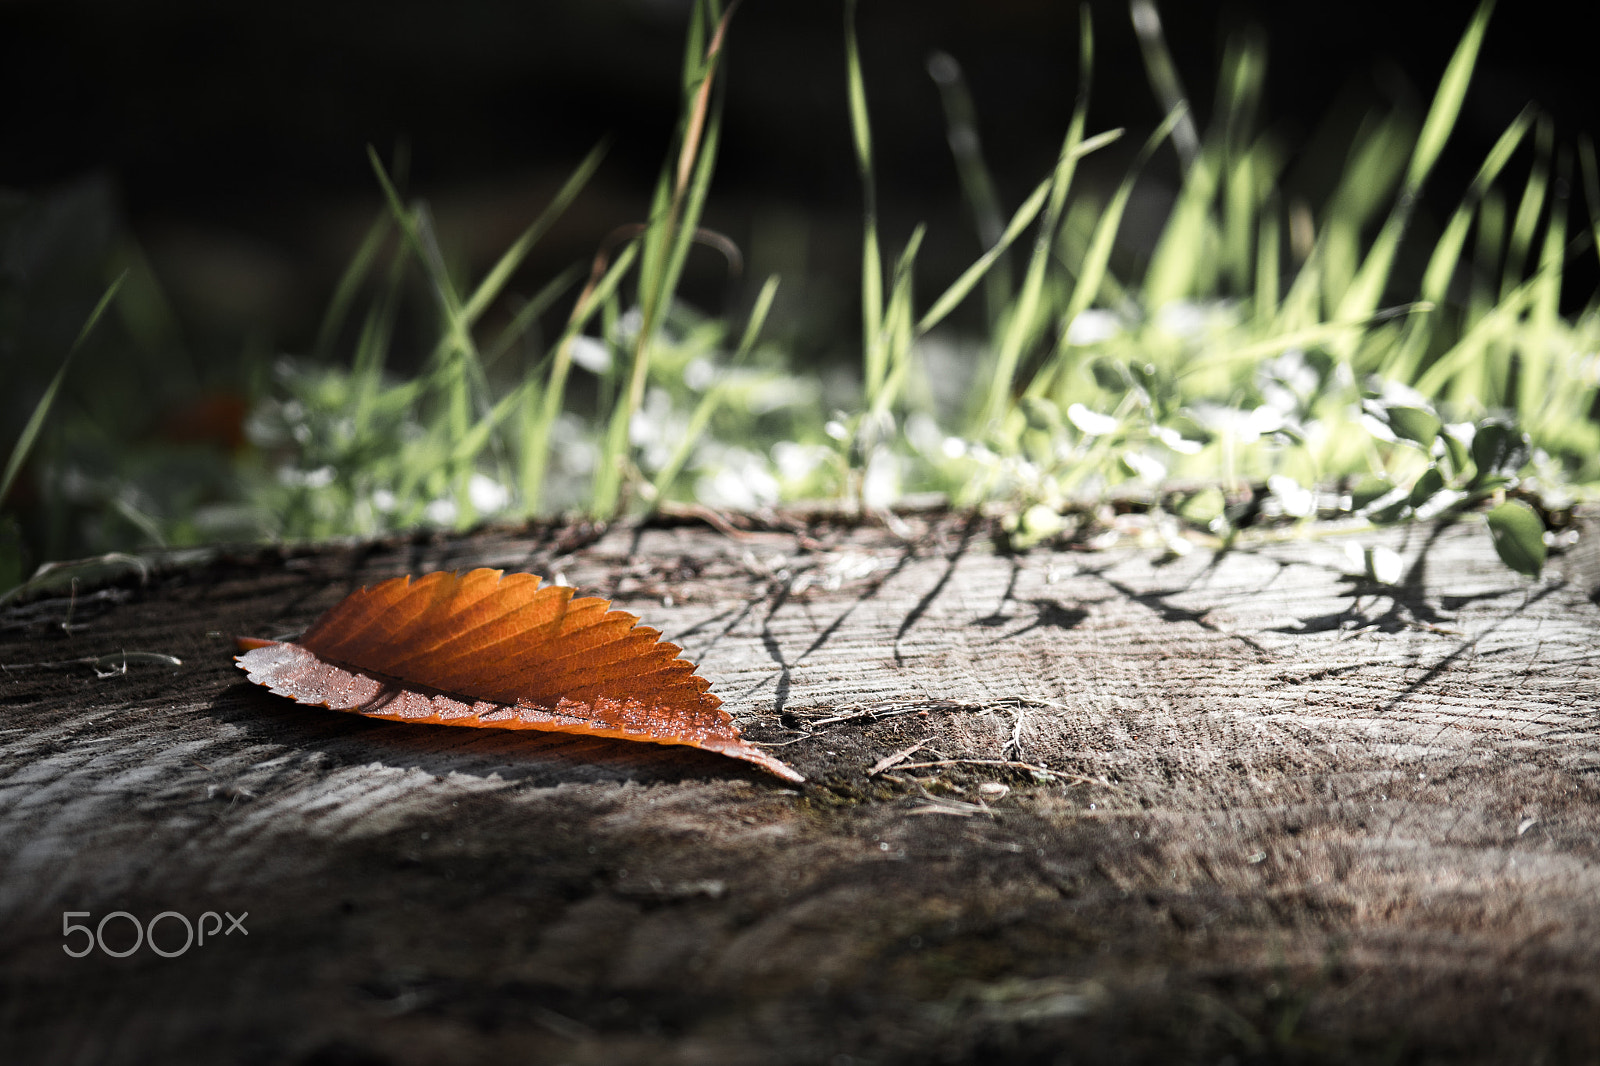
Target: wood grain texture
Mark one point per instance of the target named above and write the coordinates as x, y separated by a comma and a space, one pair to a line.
1243, 804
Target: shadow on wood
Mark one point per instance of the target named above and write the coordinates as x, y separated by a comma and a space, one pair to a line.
1060, 805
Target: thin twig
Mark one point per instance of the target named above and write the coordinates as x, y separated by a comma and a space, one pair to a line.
114, 659
856, 715
898, 757
1012, 764
715, 519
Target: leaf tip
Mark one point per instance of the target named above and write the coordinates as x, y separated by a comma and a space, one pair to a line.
245, 644
739, 748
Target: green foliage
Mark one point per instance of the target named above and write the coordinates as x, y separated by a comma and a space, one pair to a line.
354, 450
1229, 361
1518, 537
1265, 359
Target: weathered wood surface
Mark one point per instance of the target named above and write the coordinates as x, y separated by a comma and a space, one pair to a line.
1281, 814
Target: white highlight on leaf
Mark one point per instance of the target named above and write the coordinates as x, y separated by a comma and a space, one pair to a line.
1091, 422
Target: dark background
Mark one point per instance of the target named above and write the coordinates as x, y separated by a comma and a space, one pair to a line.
229, 139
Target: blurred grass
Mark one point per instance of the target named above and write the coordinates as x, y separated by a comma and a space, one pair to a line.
1263, 358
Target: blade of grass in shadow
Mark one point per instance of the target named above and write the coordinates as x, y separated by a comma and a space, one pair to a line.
1487, 247
667, 238
467, 447
1025, 321
529, 313
30, 431
350, 282
977, 184
1469, 350
1092, 271
1539, 344
501, 272
897, 330
1164, 80
1526, 223
1366, 290
1447, 251
712, 400
1269, 258
372, 345
1591, 187
1250, 169
456, 373
537, 422
456, 366
871, 257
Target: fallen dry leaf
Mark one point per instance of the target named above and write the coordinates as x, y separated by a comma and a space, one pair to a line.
503, 653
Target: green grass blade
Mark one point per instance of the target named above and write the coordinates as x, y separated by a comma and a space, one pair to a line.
1093, 270
538, 422
1448, 250
1028, 313
961, 131
494, 281
860, 126
1269, 257
529, 313
1366, 290
417, 228
1487, 248
1591, 187
694, 48
30, 432
1468, 352
1098, 256
962, 286
1447, 100
1185, 256
896, 332
1542, 336
1164, 80
977, 183
1309, 337
758, 318
350, 282
701, 417
467, 447
666, 246
372, 346
689, 213
871, 255
1526, 223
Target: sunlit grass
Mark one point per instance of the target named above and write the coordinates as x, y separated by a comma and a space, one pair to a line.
1232, 362
1265, 357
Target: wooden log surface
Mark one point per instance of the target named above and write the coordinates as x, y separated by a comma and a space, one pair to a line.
1061, 807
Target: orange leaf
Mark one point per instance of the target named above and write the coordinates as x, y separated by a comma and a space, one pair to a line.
482, 650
